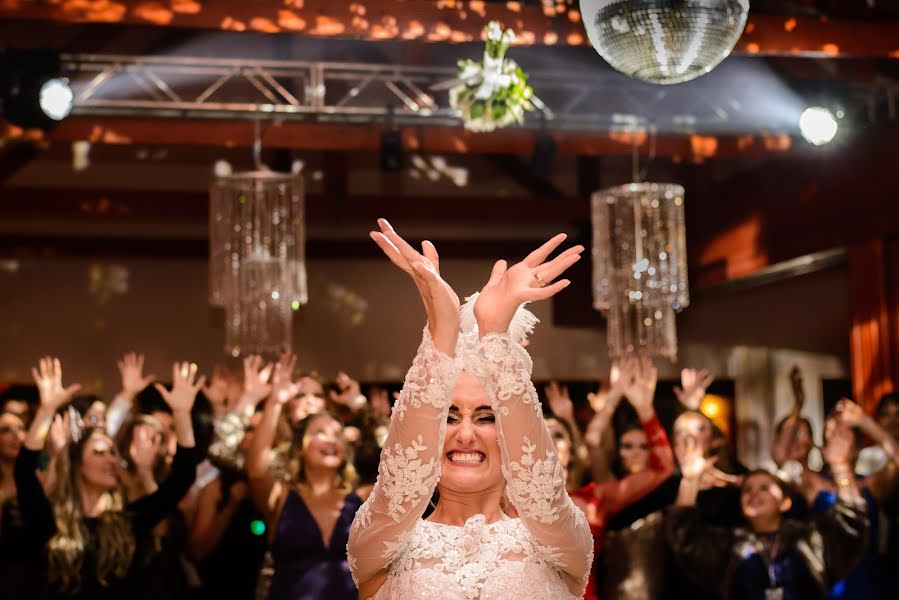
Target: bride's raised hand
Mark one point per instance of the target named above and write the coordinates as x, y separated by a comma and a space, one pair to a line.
440, 301
530, 280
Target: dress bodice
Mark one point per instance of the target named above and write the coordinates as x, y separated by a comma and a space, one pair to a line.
305, 568
478, 560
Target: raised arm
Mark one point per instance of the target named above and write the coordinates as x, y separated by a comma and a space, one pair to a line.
534, 476
600, 438
882, 482
267, 492
842, 529
37, 513
639, 381
131, 370
151, 509
410, 461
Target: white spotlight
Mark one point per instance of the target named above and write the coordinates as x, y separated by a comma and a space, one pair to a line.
56, 98
222, 168
817, 125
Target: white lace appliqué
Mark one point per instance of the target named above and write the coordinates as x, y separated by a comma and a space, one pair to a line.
404, 478
535, 485
477, 560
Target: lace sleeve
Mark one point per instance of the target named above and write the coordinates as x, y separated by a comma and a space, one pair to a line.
534, 478
409, 465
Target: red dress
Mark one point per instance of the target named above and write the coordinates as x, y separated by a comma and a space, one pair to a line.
606, 499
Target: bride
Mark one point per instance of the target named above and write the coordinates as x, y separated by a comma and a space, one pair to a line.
468, 423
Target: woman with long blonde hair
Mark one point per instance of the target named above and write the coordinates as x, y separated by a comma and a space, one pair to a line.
308, 513
85, 535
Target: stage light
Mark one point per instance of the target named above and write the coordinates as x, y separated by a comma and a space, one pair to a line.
56, 98
33, 90
818, 125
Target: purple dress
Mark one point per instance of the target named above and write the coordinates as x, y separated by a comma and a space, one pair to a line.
305, 569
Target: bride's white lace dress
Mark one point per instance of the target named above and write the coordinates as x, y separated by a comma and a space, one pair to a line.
543, 554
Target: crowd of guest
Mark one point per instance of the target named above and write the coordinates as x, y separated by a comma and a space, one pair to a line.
245, 485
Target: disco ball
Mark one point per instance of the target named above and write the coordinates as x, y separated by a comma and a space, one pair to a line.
664, 41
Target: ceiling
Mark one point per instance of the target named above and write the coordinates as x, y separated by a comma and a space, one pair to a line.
757, 194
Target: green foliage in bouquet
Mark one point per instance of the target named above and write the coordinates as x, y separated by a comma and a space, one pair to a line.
492, 93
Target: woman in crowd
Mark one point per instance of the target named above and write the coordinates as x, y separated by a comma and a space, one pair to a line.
468, 423
645, 462
228, 538
309, 516
771, 557
86, 536
13, 562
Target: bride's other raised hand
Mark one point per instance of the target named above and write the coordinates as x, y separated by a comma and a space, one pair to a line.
440, 301
532, 279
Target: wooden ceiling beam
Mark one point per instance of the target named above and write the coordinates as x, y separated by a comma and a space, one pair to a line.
448, 21
438, 140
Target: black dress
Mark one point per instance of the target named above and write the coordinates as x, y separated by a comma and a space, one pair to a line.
40, 525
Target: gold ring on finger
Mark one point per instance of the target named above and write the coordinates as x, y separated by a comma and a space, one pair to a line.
540, 280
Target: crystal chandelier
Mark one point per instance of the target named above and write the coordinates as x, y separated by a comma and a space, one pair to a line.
257, 263
664, 41
640, 266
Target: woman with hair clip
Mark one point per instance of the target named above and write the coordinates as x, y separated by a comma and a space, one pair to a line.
308, 517
84, 532
468, 423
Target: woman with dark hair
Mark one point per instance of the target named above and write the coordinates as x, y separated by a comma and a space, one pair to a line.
640, 467
13, 564
308, 517
88, 538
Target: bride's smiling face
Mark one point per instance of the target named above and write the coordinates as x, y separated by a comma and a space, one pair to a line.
471, 457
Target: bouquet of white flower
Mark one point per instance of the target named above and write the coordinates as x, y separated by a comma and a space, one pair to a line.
492, 93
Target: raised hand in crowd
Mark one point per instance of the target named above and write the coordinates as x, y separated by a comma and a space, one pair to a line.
853, 415
53, 396
638, 383
180, 399
693, 386
559, 401
144, 451
696, 469
131, 370
839, 453
599, 440
348, 393
256, 386
216, 390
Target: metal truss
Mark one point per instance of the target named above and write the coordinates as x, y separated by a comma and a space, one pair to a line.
404, 95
